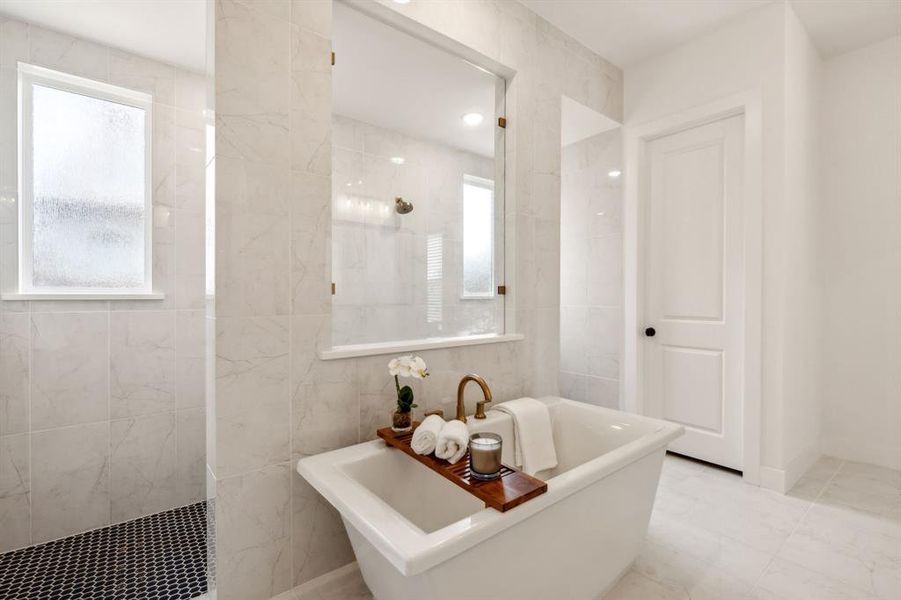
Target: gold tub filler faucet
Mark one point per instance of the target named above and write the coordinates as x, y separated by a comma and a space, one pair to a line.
480, 406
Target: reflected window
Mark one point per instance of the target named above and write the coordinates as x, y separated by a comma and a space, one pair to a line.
435, 277
478, 237
85, 212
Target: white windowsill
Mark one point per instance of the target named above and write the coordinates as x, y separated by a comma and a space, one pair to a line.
355, 350
83, 296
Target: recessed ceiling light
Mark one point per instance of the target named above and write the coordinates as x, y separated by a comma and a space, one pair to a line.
402, 1
472, 119
614, 173
398, 160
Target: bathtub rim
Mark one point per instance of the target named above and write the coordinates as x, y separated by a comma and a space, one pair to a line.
413, 551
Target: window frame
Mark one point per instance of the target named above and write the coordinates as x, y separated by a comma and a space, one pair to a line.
28, 75
488, 184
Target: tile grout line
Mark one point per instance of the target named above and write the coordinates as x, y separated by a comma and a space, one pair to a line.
117, 419
175, 397
30, 433
292, 212
175, 272
109, 423
797, 525
30, 348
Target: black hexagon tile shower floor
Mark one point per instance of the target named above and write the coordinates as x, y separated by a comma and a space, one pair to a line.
158, 557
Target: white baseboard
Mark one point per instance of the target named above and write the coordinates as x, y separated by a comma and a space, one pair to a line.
875, 451
800, 465
317, 582
772, 479
782, 480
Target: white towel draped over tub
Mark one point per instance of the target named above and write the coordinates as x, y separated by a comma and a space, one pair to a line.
453, 441
534, 438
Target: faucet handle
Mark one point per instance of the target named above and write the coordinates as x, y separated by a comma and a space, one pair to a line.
438, 412
480, 409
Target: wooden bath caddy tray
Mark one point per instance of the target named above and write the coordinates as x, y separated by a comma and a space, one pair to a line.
511, 489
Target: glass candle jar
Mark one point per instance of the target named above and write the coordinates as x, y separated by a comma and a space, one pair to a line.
485, 456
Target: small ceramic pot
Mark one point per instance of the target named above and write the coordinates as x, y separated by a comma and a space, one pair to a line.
402, 422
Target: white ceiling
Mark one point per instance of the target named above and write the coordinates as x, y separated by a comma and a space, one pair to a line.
622, 31
840, 26
171, 31
628, 31
387, 78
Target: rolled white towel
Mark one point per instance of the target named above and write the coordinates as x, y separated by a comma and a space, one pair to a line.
425, 438
452, 441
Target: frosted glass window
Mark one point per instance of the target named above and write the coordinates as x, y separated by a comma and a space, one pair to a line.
86, 200
478, 237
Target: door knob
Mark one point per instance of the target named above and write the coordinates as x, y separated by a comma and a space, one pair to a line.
650, 332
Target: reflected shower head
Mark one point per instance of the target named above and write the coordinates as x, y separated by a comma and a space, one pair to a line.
402, 206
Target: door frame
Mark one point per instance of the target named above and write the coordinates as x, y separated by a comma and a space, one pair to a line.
636, 138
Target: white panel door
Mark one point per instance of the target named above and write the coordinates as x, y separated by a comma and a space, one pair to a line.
693, 344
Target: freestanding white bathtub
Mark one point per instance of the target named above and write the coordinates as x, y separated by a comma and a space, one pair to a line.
419, 537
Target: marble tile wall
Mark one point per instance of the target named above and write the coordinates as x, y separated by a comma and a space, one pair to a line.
591, 270
101, 402
379, 257
275, 401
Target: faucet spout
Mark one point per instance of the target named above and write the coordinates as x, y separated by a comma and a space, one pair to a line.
486, 393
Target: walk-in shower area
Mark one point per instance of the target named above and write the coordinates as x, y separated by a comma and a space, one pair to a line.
102, 316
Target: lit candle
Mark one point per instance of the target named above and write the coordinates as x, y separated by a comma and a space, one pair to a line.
485, 455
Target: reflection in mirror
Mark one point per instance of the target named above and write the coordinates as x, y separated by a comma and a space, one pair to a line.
417, 188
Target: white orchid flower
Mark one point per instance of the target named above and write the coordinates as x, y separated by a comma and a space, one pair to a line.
419, 368
405, 368
400, 366
408, 366
394, 367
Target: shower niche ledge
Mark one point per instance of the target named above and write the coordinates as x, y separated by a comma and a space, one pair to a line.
375, 349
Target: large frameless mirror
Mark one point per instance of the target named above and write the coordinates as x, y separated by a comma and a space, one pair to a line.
417, 189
